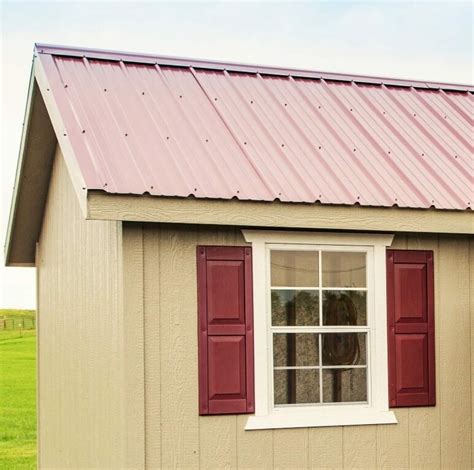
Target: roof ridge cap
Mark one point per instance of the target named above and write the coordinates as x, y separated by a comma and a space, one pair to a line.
104, 54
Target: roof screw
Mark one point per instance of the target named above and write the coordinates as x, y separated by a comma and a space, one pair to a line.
151, 187
358, 197
238, 191
207, 140
455, 156
195, 189
319, 107
126, 135
396, 199
279, 194
245, 143
47, 89
167, 137
83, 131
389, 152
445, 117
320, 195
143, 92
319, 147
180, 96
422, 154
351, 109
105, 89
105, 184
384, 112
355, 150
282, 145
414, 114
251, 102
286, 104
215, 99
64, 135
65, 86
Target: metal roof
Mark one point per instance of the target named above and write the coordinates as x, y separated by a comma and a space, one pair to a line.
182, 127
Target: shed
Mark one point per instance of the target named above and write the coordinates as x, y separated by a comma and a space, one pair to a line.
244, 266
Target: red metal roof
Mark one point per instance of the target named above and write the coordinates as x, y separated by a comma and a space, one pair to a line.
179, 127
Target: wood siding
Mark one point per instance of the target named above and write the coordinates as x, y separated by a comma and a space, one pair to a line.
176, 436
80, 387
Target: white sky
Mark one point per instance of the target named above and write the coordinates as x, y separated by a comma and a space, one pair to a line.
419, 40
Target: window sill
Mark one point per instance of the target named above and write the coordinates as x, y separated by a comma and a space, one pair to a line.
330, 416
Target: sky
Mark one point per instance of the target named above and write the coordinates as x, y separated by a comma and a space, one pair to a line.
418, 40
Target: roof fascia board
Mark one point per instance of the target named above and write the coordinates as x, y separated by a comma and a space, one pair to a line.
100, 54
20, 164
61, 131
103, 206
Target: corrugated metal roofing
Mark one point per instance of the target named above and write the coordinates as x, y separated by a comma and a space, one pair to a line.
179, 127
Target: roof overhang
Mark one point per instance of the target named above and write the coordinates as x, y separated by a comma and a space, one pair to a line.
41, 127
103, 206
31, 182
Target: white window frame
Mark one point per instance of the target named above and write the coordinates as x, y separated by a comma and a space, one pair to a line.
376, 410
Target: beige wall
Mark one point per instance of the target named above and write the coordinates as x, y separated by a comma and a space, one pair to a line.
176, 436
79, 348
118, 358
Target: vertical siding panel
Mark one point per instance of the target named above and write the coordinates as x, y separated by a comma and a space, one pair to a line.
218, 447
325, 448
454, 395
290, 448
254, 448
393, 443
221, 452
151, 263
360, 447
80, 336
133, 347
424, 422
471, 309
179, 368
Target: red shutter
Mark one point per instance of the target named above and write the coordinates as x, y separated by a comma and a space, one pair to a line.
225, 330
411, 350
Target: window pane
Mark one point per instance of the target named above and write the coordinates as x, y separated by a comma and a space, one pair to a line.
342, 349
295, 307
343, 269
296, 386
295, 349
295, 268
344, 307
344, 385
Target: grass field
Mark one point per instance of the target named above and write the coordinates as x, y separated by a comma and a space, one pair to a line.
17, 395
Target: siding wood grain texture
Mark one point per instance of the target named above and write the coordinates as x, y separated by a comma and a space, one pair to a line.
81, 374
118, 375
431, 437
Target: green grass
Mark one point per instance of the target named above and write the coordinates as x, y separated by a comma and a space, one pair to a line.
17, 396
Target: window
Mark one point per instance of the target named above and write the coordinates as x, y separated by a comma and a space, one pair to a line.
319, 325
320, 329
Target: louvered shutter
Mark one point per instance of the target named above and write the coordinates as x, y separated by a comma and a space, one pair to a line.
411, 347
225, 314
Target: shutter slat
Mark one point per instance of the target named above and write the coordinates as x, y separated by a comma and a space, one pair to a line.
410, 302
225, 309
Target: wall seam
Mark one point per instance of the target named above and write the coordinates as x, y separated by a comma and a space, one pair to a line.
470, 261
144, 350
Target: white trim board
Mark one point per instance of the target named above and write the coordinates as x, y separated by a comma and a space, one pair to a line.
376, 411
